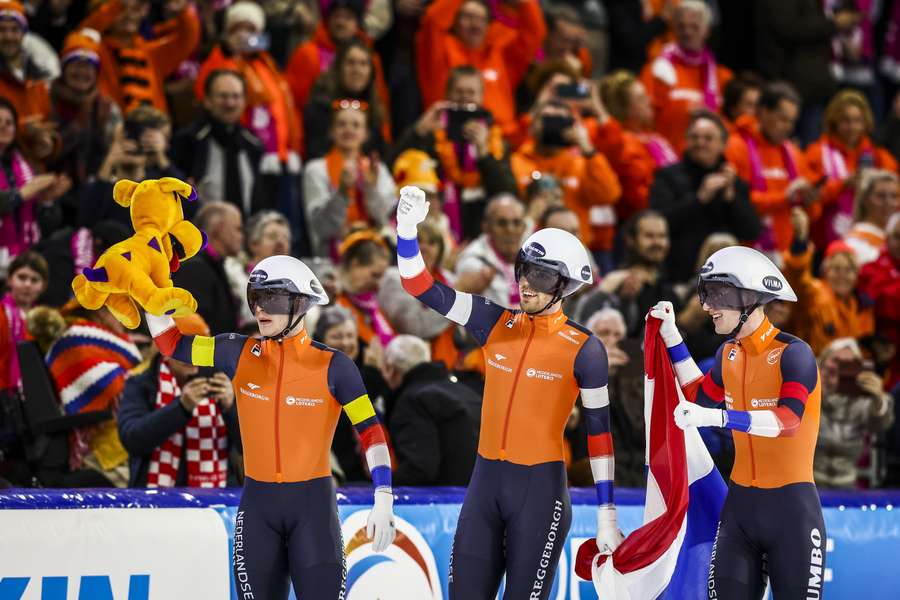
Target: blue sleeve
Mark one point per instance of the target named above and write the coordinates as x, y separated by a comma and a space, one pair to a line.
228, 352
141, 428
344, 379
592, 365
799, 375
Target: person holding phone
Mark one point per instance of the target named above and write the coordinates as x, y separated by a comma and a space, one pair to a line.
461, 135
290, 392
839, 157
560, 145
160, 416
834, 308
855, 408
270, 112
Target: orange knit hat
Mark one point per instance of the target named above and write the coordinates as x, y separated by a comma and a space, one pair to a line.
13, 10
82, 45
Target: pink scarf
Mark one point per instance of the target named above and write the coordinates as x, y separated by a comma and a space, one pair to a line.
890, 55
838, 217
368, 304
17, 333
509, 273
660, 149
766, 240
674, 53
860, 36
206, 438
18, 230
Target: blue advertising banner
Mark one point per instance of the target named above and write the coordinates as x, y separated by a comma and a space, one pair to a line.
863, 542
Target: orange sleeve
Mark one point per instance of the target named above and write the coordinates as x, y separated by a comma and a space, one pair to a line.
103, 17
520, 52
302, 71
431, 41
886, 159
798, 272
175, 47
599, 183
631, 163
521, 168
587, 62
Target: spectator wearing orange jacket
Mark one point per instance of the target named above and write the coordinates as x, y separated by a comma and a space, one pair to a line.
561, 146
457, 32
342, 23
685, 75
628, 141
270, 114
773, 166
24, 83
838, 157
832, 309
134, 68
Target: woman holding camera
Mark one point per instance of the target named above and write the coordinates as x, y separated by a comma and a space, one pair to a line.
855, 408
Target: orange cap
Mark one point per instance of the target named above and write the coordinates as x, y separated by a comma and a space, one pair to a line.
82, 45
10, 9
414, 167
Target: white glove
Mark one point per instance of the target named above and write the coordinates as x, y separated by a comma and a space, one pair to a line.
608, 535
688, 414
665, 312
380, 526
411, 210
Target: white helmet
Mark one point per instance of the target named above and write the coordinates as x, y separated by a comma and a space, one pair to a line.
560, 251
747, 269
287, 274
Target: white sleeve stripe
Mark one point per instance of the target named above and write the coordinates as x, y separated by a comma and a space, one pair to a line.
461, 310
687, 371
764, 423
595, 397
603, 468
410, 267
378, 456
159, 324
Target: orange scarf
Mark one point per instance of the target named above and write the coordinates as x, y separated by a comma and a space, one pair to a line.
449, 158
356, 210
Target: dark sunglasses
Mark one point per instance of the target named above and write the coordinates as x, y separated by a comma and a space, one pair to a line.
722, 295
543, 279
278, 302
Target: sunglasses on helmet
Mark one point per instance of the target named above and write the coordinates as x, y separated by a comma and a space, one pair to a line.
279, 302
724, 295
545, 280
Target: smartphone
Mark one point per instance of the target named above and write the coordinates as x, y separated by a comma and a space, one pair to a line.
459, 115
257, 42
866, 161
552, 128
133, 130
848, 372
573, 91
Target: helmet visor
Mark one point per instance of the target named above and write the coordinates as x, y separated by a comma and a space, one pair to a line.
724, 295
278, 302
545, 280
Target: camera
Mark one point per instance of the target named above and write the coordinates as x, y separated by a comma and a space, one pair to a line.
573, 91
460, 114
552, 128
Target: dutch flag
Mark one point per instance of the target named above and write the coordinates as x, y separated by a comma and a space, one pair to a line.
668, 556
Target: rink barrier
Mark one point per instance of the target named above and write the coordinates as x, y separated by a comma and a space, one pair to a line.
176, 543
